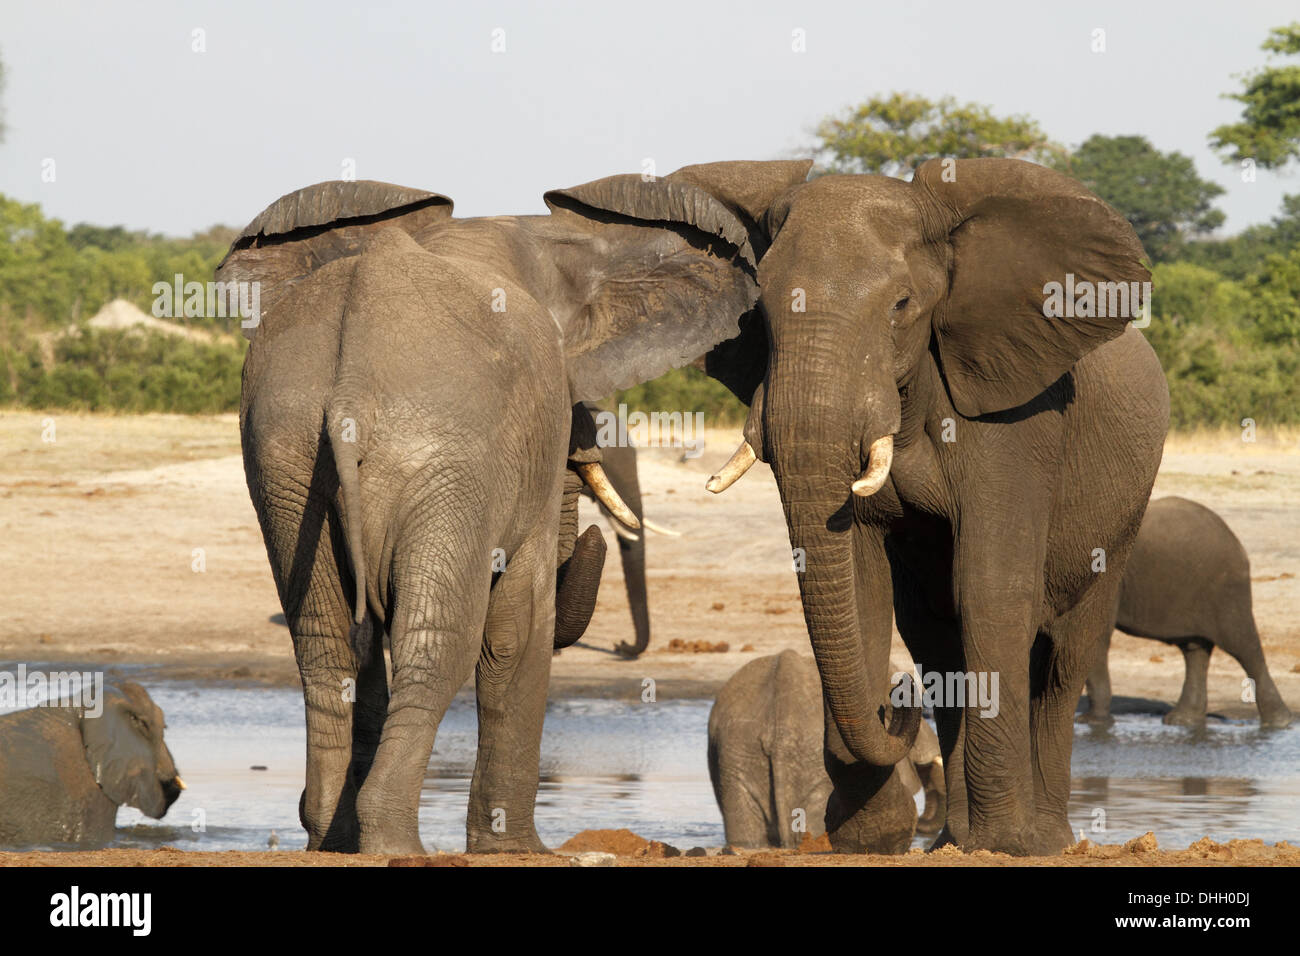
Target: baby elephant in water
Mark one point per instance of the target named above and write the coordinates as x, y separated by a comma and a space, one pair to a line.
1188, 584
769, 778
64, 770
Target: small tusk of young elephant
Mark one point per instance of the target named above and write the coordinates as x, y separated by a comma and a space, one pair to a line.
180, 784
598, 482
880, 458
659, 529
624, 533
737, 465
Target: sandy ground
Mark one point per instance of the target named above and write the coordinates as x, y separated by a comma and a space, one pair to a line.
105, 526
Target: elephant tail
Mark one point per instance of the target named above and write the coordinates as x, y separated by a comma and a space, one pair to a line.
346, 459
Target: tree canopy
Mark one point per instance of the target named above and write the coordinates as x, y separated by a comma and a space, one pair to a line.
894, 134
1159, 193
1269, 131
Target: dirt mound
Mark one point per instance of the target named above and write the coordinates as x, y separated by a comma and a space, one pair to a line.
811, 844
679, 646
121, 314
655, 850
618, 842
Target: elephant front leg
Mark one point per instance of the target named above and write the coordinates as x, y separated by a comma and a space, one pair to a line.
1194, 699
1063, 656
511, 681
1098, 686
999, 588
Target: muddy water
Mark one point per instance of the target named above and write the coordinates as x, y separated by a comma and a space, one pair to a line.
608, 764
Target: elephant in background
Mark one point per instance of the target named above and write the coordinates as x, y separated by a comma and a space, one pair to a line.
1188, 584
64, 772
414, 444
951, 441
766, 765
619, 462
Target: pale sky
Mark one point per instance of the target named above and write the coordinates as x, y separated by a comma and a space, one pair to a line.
146, 132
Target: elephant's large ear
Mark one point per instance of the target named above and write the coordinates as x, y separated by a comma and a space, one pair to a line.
120, 757
751, 190
1014, 229
304, 230
670, 273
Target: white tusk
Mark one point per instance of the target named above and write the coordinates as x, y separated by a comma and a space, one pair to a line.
737, 465
659, 529
879, 459
623, 532
598, 481
180, 784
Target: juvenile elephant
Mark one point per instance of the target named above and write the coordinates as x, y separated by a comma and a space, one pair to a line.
769, 778
939, 374
64, 771
1188, 584
411, 398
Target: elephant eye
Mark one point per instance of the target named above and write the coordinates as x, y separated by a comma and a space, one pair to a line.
901, 304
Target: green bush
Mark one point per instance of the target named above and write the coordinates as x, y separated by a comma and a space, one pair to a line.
124, 371
684, 390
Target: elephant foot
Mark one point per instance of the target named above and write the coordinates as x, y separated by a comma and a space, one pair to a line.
489, 842
391, 839
343, 835
1051, 837
1275, 720
1094, 718
944, 839
1184, 718
392, 844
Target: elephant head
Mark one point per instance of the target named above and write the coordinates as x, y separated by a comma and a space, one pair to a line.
126, 752
864, 280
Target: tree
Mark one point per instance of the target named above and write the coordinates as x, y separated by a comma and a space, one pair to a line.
894, 134
1159, 193
1239, 256
1269, 132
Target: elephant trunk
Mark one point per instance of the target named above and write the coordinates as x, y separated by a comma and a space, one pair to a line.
579, 561
815, 440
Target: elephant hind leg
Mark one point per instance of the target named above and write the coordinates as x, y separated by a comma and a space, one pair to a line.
440, 604
1246, 649
371, 705
301, 540
1190, 709
511, 682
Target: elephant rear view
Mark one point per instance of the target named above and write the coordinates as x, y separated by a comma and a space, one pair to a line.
1188, 584
769, 778
415, 442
